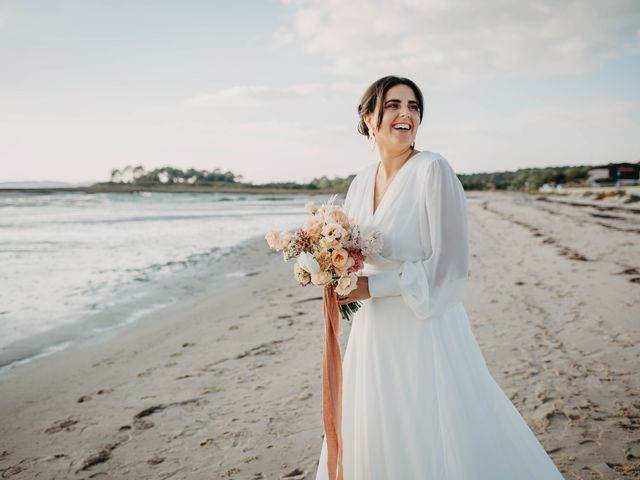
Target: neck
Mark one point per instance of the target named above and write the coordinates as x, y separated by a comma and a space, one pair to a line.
392, 160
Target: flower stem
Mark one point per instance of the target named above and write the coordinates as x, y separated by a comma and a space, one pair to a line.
349, 309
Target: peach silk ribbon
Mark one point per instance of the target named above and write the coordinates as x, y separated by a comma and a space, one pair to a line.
332, 383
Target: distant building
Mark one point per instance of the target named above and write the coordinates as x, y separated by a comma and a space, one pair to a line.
552, 187
618, 173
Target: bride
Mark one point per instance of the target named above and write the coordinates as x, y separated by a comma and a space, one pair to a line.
418, 399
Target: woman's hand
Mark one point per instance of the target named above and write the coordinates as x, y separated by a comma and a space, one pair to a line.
360, 293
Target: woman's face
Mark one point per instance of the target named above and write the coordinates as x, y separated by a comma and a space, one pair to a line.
400, 118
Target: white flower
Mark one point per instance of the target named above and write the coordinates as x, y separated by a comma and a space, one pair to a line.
308, 263
333, 232
311, 207
325, 243
371, 242
347, 284
301, 276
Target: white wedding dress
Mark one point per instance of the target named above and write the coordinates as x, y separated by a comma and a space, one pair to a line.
419, 402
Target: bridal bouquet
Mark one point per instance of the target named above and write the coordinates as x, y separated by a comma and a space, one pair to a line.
329, 249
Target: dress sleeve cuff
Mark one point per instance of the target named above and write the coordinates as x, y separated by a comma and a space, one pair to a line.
385, 284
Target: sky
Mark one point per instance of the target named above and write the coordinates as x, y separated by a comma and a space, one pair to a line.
269, 89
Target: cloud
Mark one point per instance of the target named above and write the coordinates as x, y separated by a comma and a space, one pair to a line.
606, 115
458, 40
251, 96
541, 136
283, 128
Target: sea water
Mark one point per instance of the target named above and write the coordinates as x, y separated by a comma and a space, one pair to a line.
66, 257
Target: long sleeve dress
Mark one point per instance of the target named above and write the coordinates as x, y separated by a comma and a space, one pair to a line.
418, 399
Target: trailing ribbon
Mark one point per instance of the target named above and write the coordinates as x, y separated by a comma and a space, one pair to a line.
332, 383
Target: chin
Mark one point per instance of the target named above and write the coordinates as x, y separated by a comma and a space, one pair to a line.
404, 143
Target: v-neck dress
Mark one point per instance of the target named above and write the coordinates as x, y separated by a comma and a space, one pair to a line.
418, 399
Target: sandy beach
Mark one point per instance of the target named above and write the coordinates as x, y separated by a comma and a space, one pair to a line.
227, 385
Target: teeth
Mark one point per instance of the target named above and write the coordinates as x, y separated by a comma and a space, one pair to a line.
402, 126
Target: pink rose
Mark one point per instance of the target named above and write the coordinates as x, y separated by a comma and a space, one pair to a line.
358, 259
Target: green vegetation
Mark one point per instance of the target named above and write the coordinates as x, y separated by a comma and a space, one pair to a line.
337, 184
524, 178
171, 176
133, 178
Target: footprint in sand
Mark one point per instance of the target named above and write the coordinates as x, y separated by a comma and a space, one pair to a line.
230, 472
104, 361
572, 254
64, 424
155, 460
212, 389
630, 271
86, 398
139, 421
209, 441
12, 470
99, 457
296, 474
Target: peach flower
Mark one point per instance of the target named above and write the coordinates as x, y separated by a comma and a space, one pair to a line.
313, 226
321, 278
340, 257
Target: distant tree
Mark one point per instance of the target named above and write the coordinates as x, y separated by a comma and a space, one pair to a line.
116, 176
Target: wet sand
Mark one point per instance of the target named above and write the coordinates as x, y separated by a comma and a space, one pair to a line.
228, 385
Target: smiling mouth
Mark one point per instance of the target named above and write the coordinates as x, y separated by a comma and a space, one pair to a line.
402, 127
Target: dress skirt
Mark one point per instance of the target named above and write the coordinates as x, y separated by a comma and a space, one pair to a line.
420, 403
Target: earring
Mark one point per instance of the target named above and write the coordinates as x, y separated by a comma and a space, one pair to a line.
372, 141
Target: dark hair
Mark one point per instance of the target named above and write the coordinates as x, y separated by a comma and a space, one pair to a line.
374, 95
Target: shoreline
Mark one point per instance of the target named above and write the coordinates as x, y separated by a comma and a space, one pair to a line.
99, 188
228, 384
93, 328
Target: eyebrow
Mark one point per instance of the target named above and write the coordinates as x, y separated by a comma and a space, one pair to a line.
398, 101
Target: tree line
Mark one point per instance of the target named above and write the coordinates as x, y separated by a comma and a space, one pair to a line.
521, 179
525, 178
137, 175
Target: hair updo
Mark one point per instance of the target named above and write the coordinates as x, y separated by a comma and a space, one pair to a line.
374, 95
